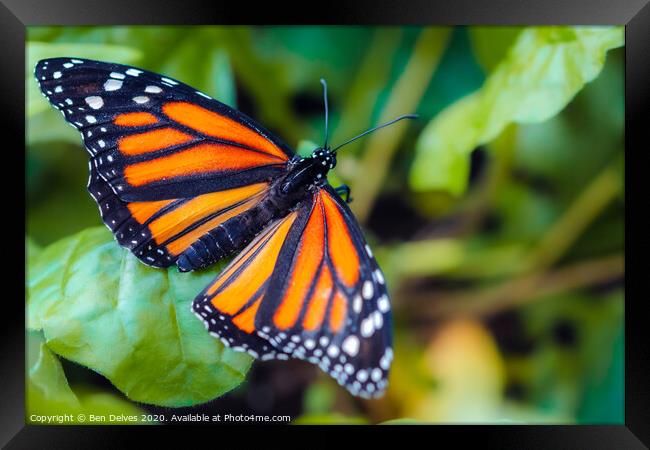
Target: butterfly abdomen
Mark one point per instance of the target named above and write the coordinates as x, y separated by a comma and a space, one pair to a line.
233, 234
225, 239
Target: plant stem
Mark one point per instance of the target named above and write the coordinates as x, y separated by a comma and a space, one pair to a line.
371, 78
520, 290
404, 99
584, 210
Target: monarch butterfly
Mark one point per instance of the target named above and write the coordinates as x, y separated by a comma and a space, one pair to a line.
183, 179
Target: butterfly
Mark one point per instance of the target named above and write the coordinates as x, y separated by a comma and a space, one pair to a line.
183, 179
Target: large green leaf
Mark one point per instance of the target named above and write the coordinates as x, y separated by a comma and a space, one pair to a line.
491, 44
100, 307
47, 386
51, 400
31, 248
541, 73
39, 50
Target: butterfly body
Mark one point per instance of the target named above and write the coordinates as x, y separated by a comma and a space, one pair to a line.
302, 178
182, 179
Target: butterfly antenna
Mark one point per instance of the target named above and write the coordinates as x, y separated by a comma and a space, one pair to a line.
324, 83
406, 116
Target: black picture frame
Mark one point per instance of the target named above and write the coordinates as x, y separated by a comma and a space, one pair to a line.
16, 15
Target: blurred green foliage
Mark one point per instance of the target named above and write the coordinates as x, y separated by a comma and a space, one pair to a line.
497, 217
539, 74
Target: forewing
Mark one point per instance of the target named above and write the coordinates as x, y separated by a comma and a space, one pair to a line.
154, 138
168, 163
157, 232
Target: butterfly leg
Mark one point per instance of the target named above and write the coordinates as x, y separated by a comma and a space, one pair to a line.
344, 189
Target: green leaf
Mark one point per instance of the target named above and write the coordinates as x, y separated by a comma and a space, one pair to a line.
107, 408
47, 126
39, 50
47, 387
32, 249
101, 307
541, 73
491, 44
50, 396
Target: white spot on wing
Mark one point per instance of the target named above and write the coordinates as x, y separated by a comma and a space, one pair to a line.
351, 345
367, 327
133, 72
357, 303
112, 85
94, 101
383, 303
367, 290
141, 99
153, 89
379, 276
378, 319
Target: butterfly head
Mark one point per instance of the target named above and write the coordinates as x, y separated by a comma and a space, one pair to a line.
325, 158
305, 173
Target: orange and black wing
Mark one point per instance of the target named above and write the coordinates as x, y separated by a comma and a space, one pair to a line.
308, 288
167, 162
159, 232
